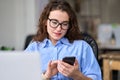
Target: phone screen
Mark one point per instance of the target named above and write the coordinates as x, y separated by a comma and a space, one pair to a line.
69, 60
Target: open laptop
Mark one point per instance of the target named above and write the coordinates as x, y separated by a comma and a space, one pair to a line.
19, 65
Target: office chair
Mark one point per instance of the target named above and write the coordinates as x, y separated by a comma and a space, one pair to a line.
27, 41
91, 41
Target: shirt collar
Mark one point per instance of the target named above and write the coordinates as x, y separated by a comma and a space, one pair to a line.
65, 41
46, 42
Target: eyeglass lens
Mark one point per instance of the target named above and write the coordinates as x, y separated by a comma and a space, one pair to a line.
55, 23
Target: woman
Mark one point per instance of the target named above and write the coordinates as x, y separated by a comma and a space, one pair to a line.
58, 36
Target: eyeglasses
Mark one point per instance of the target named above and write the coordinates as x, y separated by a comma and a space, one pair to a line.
55, 23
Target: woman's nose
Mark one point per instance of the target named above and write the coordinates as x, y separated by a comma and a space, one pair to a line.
59, 27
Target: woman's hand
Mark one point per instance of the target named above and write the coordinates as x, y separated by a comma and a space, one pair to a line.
71, 71
52, 69
67, 69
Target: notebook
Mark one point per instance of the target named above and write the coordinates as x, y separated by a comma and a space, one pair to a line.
19, 65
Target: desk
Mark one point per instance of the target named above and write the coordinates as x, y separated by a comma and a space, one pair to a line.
108, 48
111, 61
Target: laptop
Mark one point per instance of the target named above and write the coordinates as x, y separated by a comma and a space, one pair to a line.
19, 65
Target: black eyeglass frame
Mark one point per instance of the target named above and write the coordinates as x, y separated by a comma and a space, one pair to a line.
61, 24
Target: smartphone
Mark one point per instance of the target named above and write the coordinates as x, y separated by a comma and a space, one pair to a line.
70, 60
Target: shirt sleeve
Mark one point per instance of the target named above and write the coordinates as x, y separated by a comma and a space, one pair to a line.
31, 47
90, 66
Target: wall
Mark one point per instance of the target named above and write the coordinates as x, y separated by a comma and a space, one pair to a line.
18, 18
7, 26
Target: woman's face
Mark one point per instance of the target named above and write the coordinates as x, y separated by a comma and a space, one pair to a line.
57, 25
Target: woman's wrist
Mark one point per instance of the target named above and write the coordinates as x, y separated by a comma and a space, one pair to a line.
45, 77
76, 75
80, 76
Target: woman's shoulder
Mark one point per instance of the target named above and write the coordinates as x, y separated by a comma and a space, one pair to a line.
34, 43
80, 42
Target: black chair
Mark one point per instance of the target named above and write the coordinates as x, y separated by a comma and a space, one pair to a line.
91, 41
27, 41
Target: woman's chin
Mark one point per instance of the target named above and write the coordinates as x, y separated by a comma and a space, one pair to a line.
57, 38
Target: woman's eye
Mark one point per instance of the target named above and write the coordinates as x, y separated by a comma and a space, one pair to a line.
65, 24
55, 22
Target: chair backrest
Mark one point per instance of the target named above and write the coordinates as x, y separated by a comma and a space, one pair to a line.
28, 40
91, 41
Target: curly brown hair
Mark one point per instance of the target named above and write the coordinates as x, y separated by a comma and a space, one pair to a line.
73, 32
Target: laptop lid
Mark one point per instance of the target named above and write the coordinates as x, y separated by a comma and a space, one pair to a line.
19, 65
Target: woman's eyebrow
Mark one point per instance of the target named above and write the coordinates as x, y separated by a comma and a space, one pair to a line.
58, 20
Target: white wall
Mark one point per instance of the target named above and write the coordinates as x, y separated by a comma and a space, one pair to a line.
7, 26
18, 18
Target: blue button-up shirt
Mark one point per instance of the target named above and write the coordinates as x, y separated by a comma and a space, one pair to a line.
88, 64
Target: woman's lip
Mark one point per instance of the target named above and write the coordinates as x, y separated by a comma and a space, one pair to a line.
57, 33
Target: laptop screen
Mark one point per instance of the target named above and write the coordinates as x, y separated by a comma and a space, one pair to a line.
19, 65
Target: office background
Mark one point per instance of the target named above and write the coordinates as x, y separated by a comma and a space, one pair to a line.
18, 18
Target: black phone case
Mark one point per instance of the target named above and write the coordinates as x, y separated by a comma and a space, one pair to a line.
69, 60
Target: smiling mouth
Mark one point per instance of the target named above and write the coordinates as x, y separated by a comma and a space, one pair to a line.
58, 34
